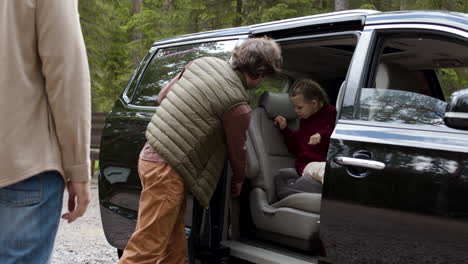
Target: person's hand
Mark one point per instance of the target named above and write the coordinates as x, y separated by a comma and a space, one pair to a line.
280, 122
236, 189
314, 139
79, 197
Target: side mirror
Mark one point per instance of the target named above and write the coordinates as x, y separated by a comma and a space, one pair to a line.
456, 115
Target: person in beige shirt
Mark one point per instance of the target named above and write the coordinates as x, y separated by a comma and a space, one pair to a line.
45, 115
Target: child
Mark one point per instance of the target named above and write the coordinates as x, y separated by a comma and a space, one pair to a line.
309, 144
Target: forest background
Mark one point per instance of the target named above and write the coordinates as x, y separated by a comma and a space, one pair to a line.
118, 33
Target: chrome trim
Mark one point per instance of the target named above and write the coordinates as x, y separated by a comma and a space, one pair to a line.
414, 136
419, 26
310, 20
356, 70
264, 255
355, 33
370, 164
456, 115
450, 19
125, 96
195, 41
398, 126
137, 107
216, 33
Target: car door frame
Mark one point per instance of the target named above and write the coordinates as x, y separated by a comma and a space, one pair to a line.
357, 77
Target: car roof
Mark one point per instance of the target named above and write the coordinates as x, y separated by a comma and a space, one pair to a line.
446, 18
271, 26
363, 16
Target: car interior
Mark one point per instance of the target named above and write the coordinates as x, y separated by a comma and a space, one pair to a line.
408, 87
291, 225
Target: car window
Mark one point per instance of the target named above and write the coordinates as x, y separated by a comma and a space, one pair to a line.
452, 80
168, 62
323, 59
132, 84
404, 85
386, 105
275, 84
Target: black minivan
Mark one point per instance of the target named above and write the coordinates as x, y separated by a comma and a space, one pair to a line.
396, 180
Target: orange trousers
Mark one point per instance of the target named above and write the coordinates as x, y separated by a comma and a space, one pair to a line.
159, 235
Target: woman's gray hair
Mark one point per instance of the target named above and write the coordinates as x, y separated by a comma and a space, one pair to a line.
258, 57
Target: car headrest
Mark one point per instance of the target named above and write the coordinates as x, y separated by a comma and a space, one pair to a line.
395, 77
276, 104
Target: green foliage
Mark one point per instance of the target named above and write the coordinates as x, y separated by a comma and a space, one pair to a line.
281, 9
452, 80
288, 9
451, 5
117, 40
271, 84
368, 6
107, 52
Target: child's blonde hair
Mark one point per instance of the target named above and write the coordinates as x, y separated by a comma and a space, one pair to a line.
310, 90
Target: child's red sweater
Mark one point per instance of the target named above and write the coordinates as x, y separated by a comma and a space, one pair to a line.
321, 122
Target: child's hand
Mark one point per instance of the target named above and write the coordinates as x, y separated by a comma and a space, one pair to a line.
281, 122
236, 189
314, 139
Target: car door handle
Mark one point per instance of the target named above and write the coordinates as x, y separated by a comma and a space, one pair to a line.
370, 164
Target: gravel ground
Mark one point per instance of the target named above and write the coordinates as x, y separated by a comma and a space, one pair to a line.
83, 241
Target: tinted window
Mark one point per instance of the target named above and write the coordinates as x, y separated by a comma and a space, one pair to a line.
275, 84
403, 86
385, 105
452, 80
136, 75
168, 62
323, 59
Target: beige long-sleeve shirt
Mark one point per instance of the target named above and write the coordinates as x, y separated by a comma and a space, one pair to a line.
45, 104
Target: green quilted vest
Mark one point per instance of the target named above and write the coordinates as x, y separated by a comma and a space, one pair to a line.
187, 129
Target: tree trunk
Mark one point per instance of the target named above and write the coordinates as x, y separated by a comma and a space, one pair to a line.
388, 5
136, 34
238, 19
168, 5
403, 5
320, 5
444, 5
341, 5
137, 6
136, 10
377, 5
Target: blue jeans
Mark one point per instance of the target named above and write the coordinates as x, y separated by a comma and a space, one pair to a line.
29, 217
